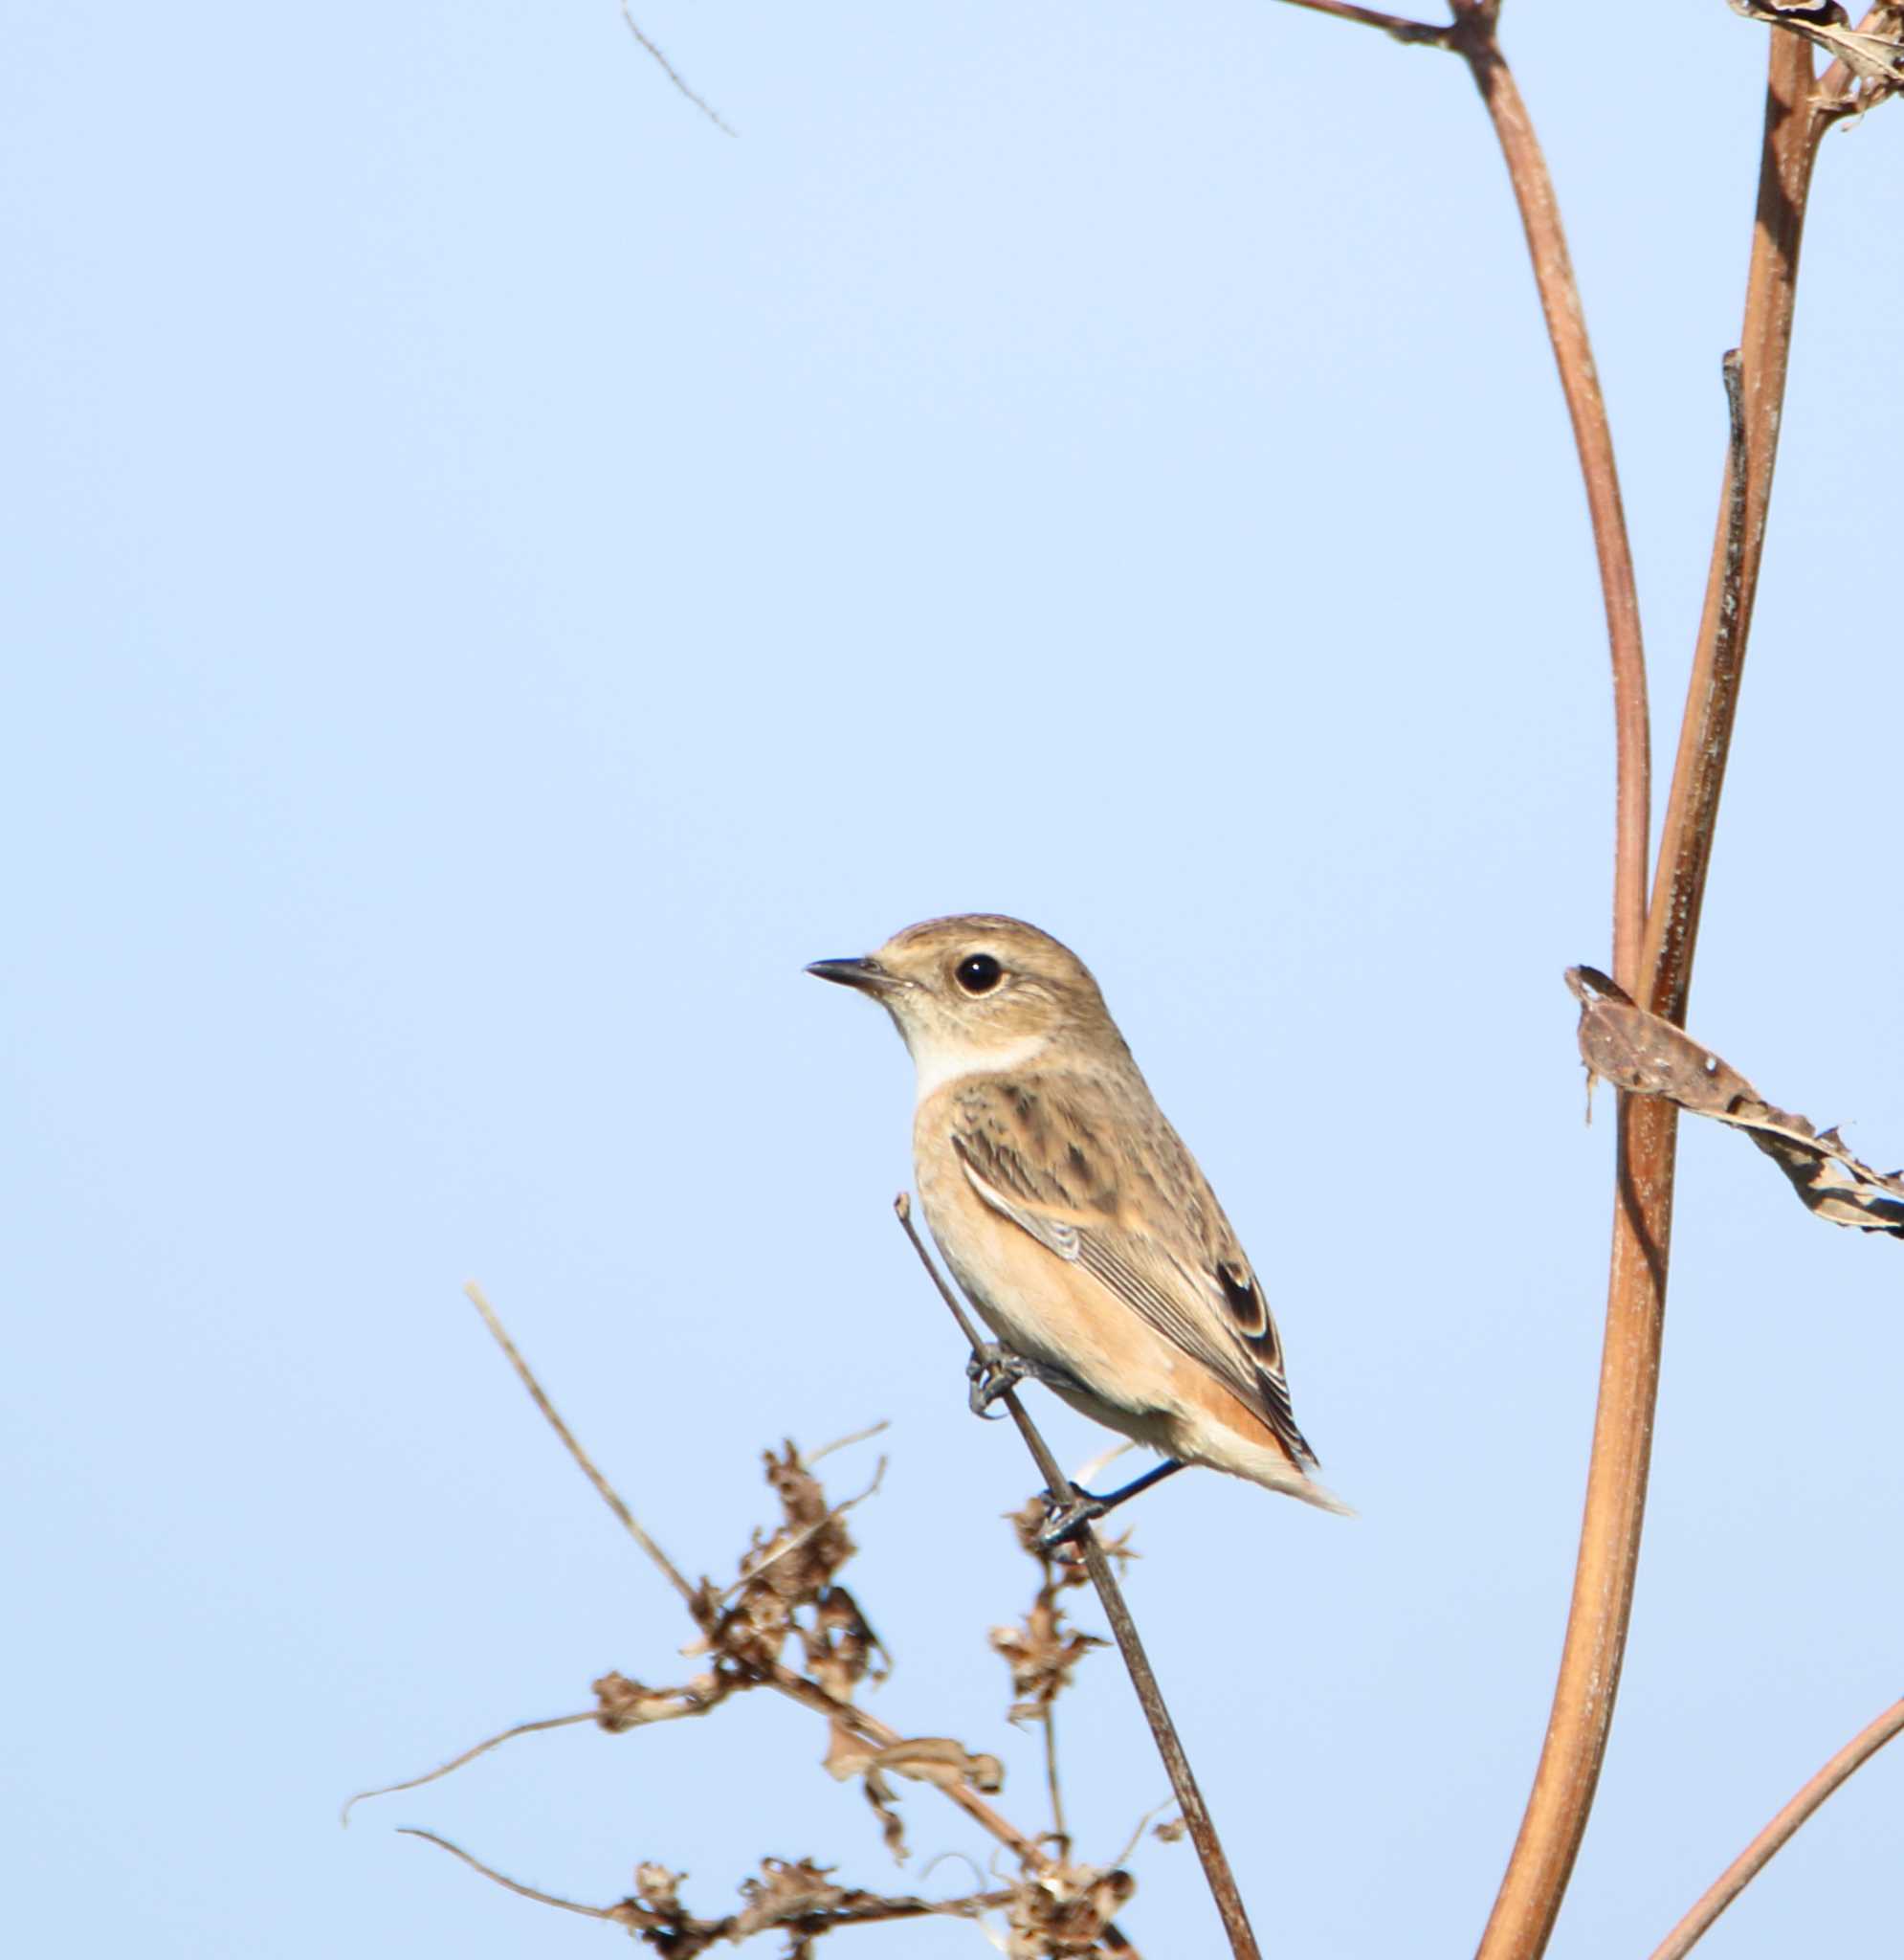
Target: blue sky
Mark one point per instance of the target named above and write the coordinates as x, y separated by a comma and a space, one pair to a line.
498, 575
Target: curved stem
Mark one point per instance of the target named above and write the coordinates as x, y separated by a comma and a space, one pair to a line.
1583, 1709
1759, 1853
1473, 37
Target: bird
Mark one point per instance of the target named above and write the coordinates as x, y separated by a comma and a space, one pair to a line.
1071, 1214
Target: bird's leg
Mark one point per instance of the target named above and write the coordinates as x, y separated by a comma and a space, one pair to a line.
1064, 1522
995, 1370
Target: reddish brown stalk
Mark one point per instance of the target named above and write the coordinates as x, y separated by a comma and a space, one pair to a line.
1759, 1853
1551, 1829
1794, 126
1473, 37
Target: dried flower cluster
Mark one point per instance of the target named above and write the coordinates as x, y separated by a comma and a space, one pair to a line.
1041, 1651
788, 1623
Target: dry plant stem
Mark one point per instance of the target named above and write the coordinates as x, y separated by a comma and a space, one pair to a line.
673, 73
469, 1755
1419, 31
1759, 1853
1059, 1831
1576, 1740
870, 1912
1793, 130
521, 1891
604, 1489
1555, 1820
1473, 37
1217, 1874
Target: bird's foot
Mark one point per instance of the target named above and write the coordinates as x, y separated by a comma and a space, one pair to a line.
995, 1370
1063, 1523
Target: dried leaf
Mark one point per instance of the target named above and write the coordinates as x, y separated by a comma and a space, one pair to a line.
658, 1888
801, 1559
892, 1831
1041, 1655
1042, 1651
1064, 1911
1646, 1056
1870, 56
938, 1759
626, 1703
787, 1587
842, 1650
786, 1890
926, 1759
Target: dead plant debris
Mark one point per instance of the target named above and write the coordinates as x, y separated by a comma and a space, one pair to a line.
1645, 1054
787, 1622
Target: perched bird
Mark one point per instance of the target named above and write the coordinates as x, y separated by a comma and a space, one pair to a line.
1071, 1212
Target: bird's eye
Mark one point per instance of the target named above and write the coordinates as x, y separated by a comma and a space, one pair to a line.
979, 973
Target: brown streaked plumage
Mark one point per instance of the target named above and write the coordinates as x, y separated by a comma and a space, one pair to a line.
1068, 1208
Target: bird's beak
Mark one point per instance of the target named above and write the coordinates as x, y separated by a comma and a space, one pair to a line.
868, 976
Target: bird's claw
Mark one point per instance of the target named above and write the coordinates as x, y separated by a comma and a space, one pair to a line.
995, 1370
1063, 1523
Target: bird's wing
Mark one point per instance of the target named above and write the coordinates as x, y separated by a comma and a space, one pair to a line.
1128, 1205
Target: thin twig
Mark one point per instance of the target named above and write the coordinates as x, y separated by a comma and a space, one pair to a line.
1060, 1830
809, 1458
469, 1755
1419, 33
1135, 1837
858, 1910
1757, 1855
1217, 1873
673, 73
1601, 1610
521, 1891
604, 1489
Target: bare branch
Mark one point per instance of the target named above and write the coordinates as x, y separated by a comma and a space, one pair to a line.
606, 1491
844, 1442
475, 1864
1419, 33
672, 73
1217, 1873
1793, 128
469, 1755
1757, 1855
795, 1895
